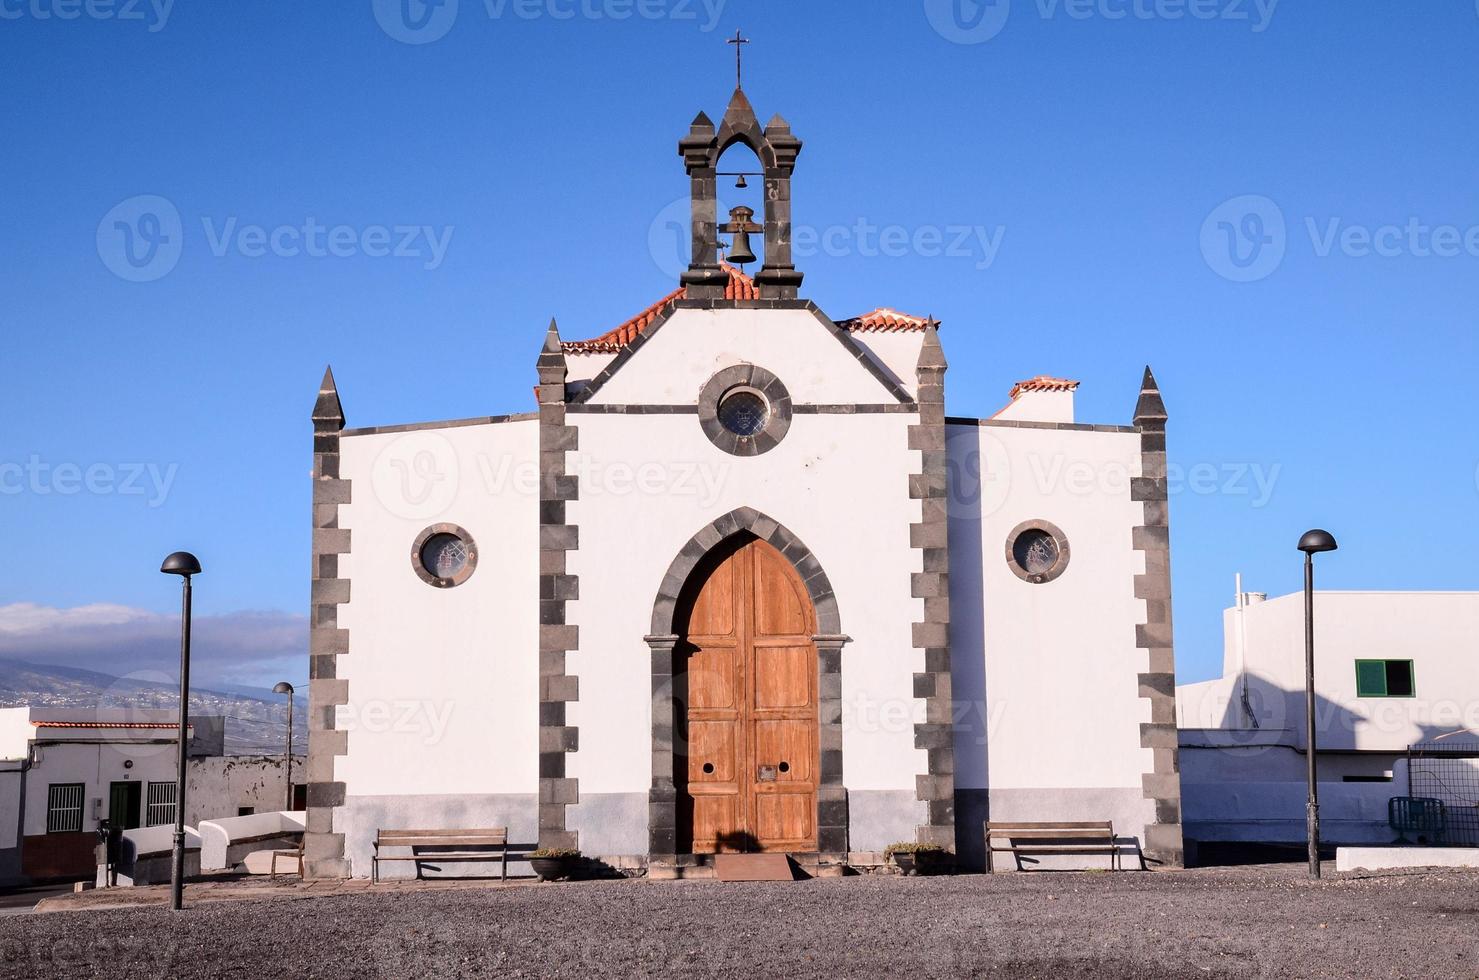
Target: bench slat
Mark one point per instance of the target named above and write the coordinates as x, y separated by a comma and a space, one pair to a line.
1065, 849
1051, 835
446, 856
441, 842
1045, 824
455, 832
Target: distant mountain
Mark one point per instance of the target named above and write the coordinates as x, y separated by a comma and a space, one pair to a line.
255, 717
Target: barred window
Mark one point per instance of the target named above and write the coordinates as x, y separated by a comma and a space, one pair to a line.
161, 805
64, 808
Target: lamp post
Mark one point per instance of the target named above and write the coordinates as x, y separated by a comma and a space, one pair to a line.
1313, 543
283, 687
183, 564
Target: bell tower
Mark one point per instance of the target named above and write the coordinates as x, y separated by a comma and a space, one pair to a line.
776, 149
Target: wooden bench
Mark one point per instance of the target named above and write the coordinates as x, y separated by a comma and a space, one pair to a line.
453, 847
1051, 837
294, 854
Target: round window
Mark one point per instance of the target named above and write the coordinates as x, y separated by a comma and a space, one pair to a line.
744, 412
444, 555
1037, 552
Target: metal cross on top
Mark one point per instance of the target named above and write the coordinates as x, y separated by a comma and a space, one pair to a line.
739, 41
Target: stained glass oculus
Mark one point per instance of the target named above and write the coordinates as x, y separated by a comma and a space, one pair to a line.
744, 412
444, 555
1036, 552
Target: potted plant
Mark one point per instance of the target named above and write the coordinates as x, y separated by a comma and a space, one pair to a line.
553, 863
912, 858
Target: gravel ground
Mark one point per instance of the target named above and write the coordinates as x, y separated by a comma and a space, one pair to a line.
1243, 922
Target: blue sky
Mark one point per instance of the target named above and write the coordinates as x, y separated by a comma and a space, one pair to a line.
1128, 164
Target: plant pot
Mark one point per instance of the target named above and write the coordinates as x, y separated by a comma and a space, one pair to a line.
905, 863
550, 869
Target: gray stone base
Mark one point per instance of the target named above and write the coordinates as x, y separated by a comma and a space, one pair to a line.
1126, 808
364, 816
878, 818
610, 824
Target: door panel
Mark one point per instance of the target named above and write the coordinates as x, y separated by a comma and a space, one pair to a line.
783, 676
711, 677
124, 803
751, 709
788, 746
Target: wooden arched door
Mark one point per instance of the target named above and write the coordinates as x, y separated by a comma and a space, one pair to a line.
748, 718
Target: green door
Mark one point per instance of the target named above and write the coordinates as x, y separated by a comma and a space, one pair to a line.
124, 801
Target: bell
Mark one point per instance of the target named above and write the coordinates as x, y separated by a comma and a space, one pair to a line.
741, 184
740, 251
741, 225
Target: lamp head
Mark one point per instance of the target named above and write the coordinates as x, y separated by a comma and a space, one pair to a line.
282, 687
181, 563
1317, 541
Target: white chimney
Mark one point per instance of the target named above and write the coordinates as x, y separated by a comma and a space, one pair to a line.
1040, 399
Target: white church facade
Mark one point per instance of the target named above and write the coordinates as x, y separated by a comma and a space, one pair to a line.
740, 583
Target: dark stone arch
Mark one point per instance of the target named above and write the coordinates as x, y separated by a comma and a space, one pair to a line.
767, 529
662, 800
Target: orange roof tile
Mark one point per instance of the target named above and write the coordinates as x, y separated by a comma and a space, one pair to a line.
885, 320
740, 287
1043, 383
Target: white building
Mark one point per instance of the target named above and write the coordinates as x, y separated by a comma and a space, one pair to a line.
63, 771
1392, 669
739, 583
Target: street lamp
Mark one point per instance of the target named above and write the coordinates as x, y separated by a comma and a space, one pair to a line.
183, 564
1313, 543
283, 687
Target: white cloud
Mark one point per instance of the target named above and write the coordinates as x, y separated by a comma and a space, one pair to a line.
239, 647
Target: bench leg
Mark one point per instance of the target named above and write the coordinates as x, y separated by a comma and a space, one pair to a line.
503, 864
990, 864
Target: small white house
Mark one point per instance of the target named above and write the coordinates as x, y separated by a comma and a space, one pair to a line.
63, 771
1392, 670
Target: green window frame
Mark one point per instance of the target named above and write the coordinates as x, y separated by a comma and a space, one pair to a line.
1385, 679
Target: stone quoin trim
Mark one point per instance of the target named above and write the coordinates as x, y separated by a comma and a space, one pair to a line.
1163, 840
557, 587
931, 537
323, 848
777, 400
662, 799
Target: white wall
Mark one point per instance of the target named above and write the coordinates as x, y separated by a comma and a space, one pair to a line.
219, 786
1438, 631
1058, 661
10, 802
838, 482
15, 732
672, 365
96, 766
443, 683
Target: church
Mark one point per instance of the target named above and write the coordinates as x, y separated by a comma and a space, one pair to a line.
740, 583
